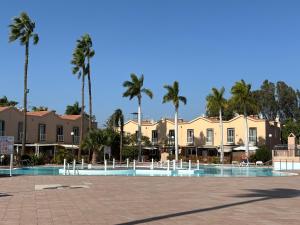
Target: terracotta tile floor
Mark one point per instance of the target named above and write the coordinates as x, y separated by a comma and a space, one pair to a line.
150, 200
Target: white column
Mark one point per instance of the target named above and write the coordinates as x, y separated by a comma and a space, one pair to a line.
105, 164
74, 165
11, 164
180, 163
65, 162
134, 164
190, 164
114, 163
174, 164
82, 163
168, 164
198, 166
152, 164
127, 162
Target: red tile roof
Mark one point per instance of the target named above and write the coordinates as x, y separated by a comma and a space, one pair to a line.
2, 108
70, 117
38, 113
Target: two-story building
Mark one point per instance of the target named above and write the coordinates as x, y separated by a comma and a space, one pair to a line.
46, 130
201, 137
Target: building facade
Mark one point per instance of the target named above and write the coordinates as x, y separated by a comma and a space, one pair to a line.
45, 129
201, 136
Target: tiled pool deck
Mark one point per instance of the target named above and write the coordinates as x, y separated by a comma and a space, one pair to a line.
149, 200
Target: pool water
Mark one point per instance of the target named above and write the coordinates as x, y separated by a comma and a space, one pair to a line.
32, 171
204, 171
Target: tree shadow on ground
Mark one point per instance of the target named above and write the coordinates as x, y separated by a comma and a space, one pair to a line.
4, 195
259, 195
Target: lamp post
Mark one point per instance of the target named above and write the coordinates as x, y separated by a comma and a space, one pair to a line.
270, 136
72, 135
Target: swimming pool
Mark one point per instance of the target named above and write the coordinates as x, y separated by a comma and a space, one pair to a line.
203, 171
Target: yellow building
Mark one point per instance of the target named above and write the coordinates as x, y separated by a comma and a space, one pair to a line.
201, 137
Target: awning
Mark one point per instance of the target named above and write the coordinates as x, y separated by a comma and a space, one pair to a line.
226, 149
243, 148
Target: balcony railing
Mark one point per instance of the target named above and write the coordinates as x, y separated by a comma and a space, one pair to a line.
76, 140
42, 137
60, 138
154, 141
190, 140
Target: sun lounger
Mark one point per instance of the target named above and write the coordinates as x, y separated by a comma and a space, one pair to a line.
259, 163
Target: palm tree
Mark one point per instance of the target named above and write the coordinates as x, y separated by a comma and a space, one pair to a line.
118, 122
5, 102
173, 96
243, 100
86, 45
95, 140
22, 28
79, 68
216, 100
135, 89
73, 109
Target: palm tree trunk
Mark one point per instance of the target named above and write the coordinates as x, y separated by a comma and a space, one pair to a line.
94, 156
140, 129
222, 141
25, 99
246, 134
82, 114
176, 134
90, 95
121, 144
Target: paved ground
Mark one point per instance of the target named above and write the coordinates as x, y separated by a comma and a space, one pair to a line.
150, 200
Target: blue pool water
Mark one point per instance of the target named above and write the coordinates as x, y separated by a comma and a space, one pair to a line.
204, 171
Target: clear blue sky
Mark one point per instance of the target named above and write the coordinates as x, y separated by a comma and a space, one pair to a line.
201, 44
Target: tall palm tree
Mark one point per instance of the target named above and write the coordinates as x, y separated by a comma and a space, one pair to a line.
118, 121
173, 96
243, 100
86, 45
22, 28
216, 100
79, 68
135, 90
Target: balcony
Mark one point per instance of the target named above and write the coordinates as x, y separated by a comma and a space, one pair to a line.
60, 138
76, 140
154, 141
190, 140
42, 137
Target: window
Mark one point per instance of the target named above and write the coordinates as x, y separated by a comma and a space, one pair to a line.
171, 137
209, 136
20, 131
42, 132
154, 136
59, 133
76, 135
2, 127
230, 135
252, 135
190, 136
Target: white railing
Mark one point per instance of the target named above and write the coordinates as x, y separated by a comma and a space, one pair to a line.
42, 137
76, 139
154, 141
60, 138
190, 140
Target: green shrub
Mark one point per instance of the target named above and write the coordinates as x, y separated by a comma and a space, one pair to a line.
215, 160
130, 152
38, 160
62, 154
261, 154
